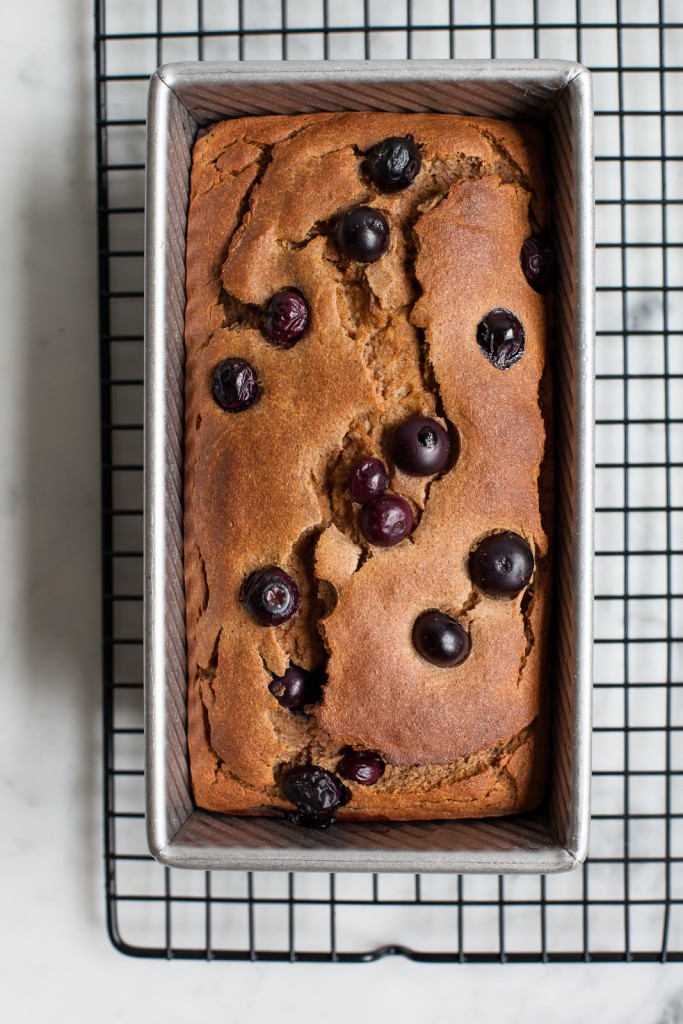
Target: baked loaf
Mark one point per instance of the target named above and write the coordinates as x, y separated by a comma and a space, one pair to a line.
267, 482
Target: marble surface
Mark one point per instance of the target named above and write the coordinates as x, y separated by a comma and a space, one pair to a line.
55, 958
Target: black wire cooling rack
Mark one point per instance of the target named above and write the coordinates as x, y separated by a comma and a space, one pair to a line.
626, 903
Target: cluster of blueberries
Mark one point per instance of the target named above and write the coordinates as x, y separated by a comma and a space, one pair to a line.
500, 565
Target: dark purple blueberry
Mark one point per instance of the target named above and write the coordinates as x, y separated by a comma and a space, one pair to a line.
394, 163
235, 386
386, 520
322, 820
369, 479
295, 688
538, 261
420, 446
363, 234
440, 639
502, 564
271, 595
313, 790
501, 338
362, 766
287, 318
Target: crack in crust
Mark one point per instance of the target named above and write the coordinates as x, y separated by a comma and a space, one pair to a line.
526, 606
509, 170
262, 162
209, 670
206, 719
238, 315
321, 229
300, 638
220, 768
204, 604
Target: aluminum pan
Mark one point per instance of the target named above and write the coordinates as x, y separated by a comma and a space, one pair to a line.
182, 97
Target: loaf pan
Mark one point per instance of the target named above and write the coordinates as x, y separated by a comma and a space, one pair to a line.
185, 97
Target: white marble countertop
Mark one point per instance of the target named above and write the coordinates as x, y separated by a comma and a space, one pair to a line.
55, 958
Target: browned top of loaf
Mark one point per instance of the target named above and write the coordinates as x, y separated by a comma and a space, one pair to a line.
393, 338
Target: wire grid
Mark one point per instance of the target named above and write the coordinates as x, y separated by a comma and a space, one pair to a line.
626, 903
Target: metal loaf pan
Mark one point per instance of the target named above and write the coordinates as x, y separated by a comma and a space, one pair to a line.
184, 97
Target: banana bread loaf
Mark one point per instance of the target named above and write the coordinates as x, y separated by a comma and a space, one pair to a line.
367, 489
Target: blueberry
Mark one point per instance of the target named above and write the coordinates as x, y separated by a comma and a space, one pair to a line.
440, 639
394, 163
271, 595
420, 446
362, 766
314, 791
363, 234
322, 820
386, 520
501, 338
369, 479
295, 688
235, 386
287, 318
538, 261
502, 564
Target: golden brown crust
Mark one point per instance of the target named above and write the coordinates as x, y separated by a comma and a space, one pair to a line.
270, 485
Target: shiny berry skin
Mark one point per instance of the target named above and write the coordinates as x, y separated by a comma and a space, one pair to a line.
363, 234
501, 338
313, 790
386, 520
295, 688
538, 261
502, 564
287, 318
394, 163
369, 479
362, 766
420, 446
440, 639
271, 595
235, 385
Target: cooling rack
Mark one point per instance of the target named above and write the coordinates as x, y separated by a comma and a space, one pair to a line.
626, 903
